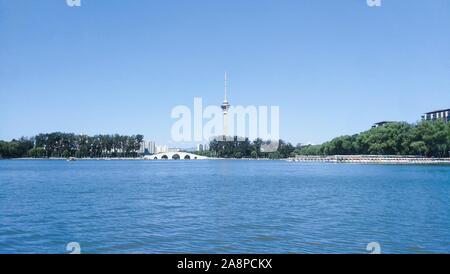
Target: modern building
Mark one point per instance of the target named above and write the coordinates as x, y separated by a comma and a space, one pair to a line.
151, 147
436, 115
225, 107
142, 147
200, 147
380, 124
147, 147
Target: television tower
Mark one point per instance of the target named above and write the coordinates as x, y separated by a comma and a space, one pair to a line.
225, 107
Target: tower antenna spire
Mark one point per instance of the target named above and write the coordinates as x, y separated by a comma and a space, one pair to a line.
225, 107
226, 86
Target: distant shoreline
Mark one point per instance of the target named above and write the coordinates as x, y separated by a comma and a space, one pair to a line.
336, 159
372, 159
140, 159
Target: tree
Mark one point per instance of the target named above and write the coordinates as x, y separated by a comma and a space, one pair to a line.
38, 152
274, 155
242, 147
419, 147
59, 144
428, 138
66, 154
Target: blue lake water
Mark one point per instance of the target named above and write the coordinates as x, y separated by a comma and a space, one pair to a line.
222, 207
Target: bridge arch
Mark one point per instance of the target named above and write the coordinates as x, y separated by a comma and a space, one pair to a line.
174, 156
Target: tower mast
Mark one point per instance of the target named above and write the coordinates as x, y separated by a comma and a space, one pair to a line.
225, 87
225, 107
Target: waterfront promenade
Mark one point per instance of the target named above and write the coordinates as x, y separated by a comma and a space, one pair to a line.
371, 159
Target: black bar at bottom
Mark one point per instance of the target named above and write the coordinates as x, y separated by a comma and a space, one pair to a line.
256, 263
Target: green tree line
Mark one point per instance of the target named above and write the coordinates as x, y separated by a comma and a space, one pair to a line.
426, 138
235, 147
59, 144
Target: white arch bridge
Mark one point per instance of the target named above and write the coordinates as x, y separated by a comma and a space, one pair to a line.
174, 156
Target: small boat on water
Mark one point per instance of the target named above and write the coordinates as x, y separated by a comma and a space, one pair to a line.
70, 159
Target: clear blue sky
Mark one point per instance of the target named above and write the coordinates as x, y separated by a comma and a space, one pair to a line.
114, 66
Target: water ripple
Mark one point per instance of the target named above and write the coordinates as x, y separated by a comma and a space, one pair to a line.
222, 207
